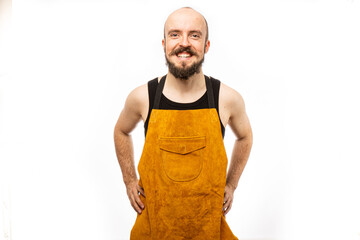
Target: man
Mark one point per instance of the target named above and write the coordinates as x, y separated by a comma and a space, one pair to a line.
183, 191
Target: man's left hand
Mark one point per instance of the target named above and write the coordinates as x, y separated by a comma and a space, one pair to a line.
228, 198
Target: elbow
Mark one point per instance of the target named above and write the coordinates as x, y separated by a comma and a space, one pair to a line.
118, 133
246, 138
250, 137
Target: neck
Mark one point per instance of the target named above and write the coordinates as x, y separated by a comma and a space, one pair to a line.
193, 83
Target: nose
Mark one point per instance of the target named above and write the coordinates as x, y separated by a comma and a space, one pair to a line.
184, 41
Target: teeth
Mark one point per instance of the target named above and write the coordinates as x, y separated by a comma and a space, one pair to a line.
184, 55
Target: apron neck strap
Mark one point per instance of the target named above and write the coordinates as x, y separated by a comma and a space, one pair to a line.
210, 92
160, 87
158, 93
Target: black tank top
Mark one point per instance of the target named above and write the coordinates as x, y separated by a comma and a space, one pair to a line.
166, 103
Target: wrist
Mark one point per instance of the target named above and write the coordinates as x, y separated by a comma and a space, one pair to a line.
131, 181
231, 186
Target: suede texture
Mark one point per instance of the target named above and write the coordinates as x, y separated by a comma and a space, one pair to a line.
183, 172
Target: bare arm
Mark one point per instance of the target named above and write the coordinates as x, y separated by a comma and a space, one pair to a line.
129, 117
239, 123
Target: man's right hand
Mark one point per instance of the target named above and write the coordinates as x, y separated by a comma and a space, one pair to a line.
133, 190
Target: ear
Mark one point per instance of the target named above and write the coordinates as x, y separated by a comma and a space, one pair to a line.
163, 43
207, 45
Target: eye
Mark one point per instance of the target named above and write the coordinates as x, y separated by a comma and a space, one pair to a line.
195, 35
173, 35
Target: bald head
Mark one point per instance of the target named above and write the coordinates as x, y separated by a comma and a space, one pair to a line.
186, 12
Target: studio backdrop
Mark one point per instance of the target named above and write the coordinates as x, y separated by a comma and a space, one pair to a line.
68, 66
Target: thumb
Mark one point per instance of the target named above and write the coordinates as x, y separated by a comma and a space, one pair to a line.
141, 190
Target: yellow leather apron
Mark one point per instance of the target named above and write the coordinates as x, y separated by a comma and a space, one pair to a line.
183, 172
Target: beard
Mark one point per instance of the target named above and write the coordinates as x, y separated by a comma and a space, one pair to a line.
184, 72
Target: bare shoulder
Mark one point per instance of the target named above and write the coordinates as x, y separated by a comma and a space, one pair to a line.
230, 103
137, 100
135, 105
232, 111
230, 97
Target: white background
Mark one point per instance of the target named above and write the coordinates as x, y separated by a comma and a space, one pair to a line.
67, 67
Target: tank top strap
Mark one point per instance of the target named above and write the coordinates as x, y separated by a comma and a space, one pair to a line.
209, 91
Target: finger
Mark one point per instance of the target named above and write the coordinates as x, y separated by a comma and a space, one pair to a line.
227, 209
225, 206
135, 205
226, 198
141, 190
138, 201
227, 203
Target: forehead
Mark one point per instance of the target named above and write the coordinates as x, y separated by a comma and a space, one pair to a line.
185, 20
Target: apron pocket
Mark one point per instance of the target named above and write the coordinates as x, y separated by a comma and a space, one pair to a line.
182, 157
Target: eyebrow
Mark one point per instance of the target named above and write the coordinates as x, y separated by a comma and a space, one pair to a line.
192, 31
196, 31
174, 30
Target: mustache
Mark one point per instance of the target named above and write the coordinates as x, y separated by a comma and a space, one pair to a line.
182, 49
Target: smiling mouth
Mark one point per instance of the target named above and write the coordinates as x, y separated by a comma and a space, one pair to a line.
184, 55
